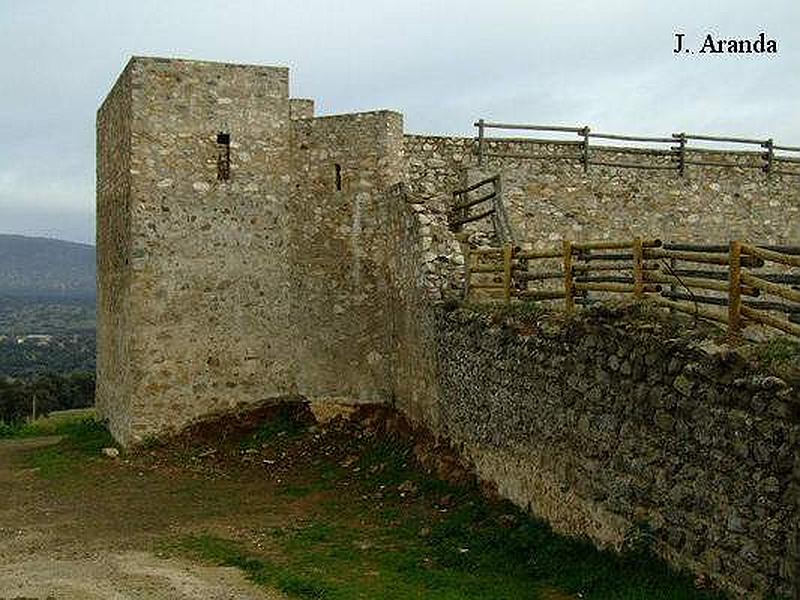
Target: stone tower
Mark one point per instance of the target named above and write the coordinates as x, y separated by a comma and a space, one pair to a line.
234, 244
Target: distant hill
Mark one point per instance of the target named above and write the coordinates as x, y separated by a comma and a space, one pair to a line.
46, 267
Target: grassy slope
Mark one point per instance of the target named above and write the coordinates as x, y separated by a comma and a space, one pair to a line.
350, 516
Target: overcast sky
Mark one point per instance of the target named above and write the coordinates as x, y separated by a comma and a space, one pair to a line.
606, 63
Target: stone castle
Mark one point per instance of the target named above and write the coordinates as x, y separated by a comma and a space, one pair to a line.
249, 250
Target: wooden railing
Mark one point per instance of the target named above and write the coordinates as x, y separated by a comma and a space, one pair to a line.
688, 278
486, 198
771, 158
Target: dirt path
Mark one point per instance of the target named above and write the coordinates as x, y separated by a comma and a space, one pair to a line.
93, 538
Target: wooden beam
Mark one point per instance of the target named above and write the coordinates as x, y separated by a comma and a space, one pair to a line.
778, 257
759, 317
771, 288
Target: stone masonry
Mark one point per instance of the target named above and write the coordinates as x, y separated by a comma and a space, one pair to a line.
250, 251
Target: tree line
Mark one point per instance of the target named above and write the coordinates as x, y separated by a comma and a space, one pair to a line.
21, 399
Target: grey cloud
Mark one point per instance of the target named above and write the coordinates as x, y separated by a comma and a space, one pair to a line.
444, 64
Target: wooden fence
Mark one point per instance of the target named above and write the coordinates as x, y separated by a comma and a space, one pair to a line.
771, 158
688, 278
486, 198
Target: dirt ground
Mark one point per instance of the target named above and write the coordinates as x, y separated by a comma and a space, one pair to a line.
306, 505
66, 540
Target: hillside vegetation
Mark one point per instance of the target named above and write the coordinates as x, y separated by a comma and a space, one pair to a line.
44, 266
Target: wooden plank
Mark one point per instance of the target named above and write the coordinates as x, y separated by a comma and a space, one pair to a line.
787, 278
538, 141
472, 203
771, 288
735, 292
604, 279
587, 257
647, 266
764, 319
569, 301
475, 186
700, 257
692, 282
779, 257
688, 308
794, 250
614, 245
639, 151
615, 287
695, 247
490, 125
723, 301
631, 138
714, 138
539, 276
486, 251
478, 217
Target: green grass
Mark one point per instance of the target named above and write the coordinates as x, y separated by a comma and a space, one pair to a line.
57, 423
778, 350
354, 546
83, 439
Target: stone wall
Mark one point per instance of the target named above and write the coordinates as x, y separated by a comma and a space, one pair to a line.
425, 267
549, 200
206, 317
341, 166
114, 385
619, 426
319, 268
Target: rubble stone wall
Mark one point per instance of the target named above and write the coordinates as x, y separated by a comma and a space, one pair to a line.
620, 427
554, 199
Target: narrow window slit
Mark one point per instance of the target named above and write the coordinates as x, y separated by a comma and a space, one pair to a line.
223, 156
338, 168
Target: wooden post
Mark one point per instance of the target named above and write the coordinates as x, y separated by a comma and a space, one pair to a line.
569, 301
480, 142
638, 269
585, 148
33, 409
769, 156
681, 153
508, 250
735, 292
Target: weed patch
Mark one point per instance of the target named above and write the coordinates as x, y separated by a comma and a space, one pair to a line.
434, 540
